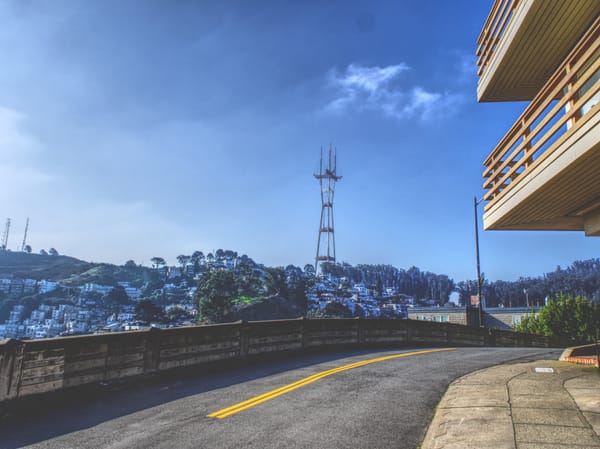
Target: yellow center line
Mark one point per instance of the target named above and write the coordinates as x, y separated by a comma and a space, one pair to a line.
228, 411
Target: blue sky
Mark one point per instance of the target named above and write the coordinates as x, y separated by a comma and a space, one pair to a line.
134, 129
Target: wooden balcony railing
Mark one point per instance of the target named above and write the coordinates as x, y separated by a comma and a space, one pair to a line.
497, 21
564, 104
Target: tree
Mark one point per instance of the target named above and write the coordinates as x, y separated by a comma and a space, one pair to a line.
29, 303
466, 289
297, 292
379, 287
148, 312
27, 249
248, 280
43, 252
52, 252
309, 269
215, 294
336, 309
158, 262
565, 316
245, 260
5, 308
177, 314
197, 257
130, 264
183, 260
116, 297
275, 281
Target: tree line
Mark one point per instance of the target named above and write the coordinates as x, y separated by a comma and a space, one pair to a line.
581, 278
413, 282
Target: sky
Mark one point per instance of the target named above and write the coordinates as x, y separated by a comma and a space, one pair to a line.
133, 129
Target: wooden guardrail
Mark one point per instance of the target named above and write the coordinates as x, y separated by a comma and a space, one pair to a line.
498, 19
552, 116
41, 366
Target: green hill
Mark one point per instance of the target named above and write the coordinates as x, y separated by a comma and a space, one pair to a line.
107, 274
38, 266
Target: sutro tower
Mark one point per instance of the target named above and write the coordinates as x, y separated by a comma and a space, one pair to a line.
327, 180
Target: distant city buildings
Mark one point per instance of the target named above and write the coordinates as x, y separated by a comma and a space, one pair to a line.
330, 292
87, 315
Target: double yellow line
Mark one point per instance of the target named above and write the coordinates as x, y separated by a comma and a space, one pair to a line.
224, 413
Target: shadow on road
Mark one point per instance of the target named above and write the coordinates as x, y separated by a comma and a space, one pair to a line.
41, 418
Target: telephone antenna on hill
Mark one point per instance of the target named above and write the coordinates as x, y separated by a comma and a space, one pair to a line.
25, 235
4, 244
327, 177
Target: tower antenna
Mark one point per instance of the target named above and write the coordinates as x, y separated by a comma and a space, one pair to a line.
4, 244
25, 235
327, 180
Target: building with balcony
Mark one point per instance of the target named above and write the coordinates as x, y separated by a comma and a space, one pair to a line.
544, 174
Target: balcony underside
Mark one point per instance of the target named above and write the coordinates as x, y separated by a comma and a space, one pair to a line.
563, 193
535, 42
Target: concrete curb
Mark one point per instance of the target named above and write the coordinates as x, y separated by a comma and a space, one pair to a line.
582, 355
583, 360
584, 350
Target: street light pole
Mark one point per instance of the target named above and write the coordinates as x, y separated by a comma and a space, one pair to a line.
480, 306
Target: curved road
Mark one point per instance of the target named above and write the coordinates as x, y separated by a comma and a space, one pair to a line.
352, 399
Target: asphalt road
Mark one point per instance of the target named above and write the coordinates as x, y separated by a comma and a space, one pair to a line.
385, 404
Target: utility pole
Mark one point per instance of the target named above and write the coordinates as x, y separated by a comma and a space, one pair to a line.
327, 178
480, 306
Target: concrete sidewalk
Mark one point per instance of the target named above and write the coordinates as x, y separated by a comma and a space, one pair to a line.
543, 404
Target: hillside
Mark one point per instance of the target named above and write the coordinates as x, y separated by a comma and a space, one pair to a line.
38, 266
107, 274
272, 308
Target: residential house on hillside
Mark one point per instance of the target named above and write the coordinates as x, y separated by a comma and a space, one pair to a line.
45, 286
360, 290
96, 288
5, 286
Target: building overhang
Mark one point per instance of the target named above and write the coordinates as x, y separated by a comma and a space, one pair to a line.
524, 41
591, 222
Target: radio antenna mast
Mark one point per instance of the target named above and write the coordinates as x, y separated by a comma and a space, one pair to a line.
4, 245
25, 235
327, 177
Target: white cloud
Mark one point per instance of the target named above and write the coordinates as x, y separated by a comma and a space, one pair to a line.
370, 79
363, 88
